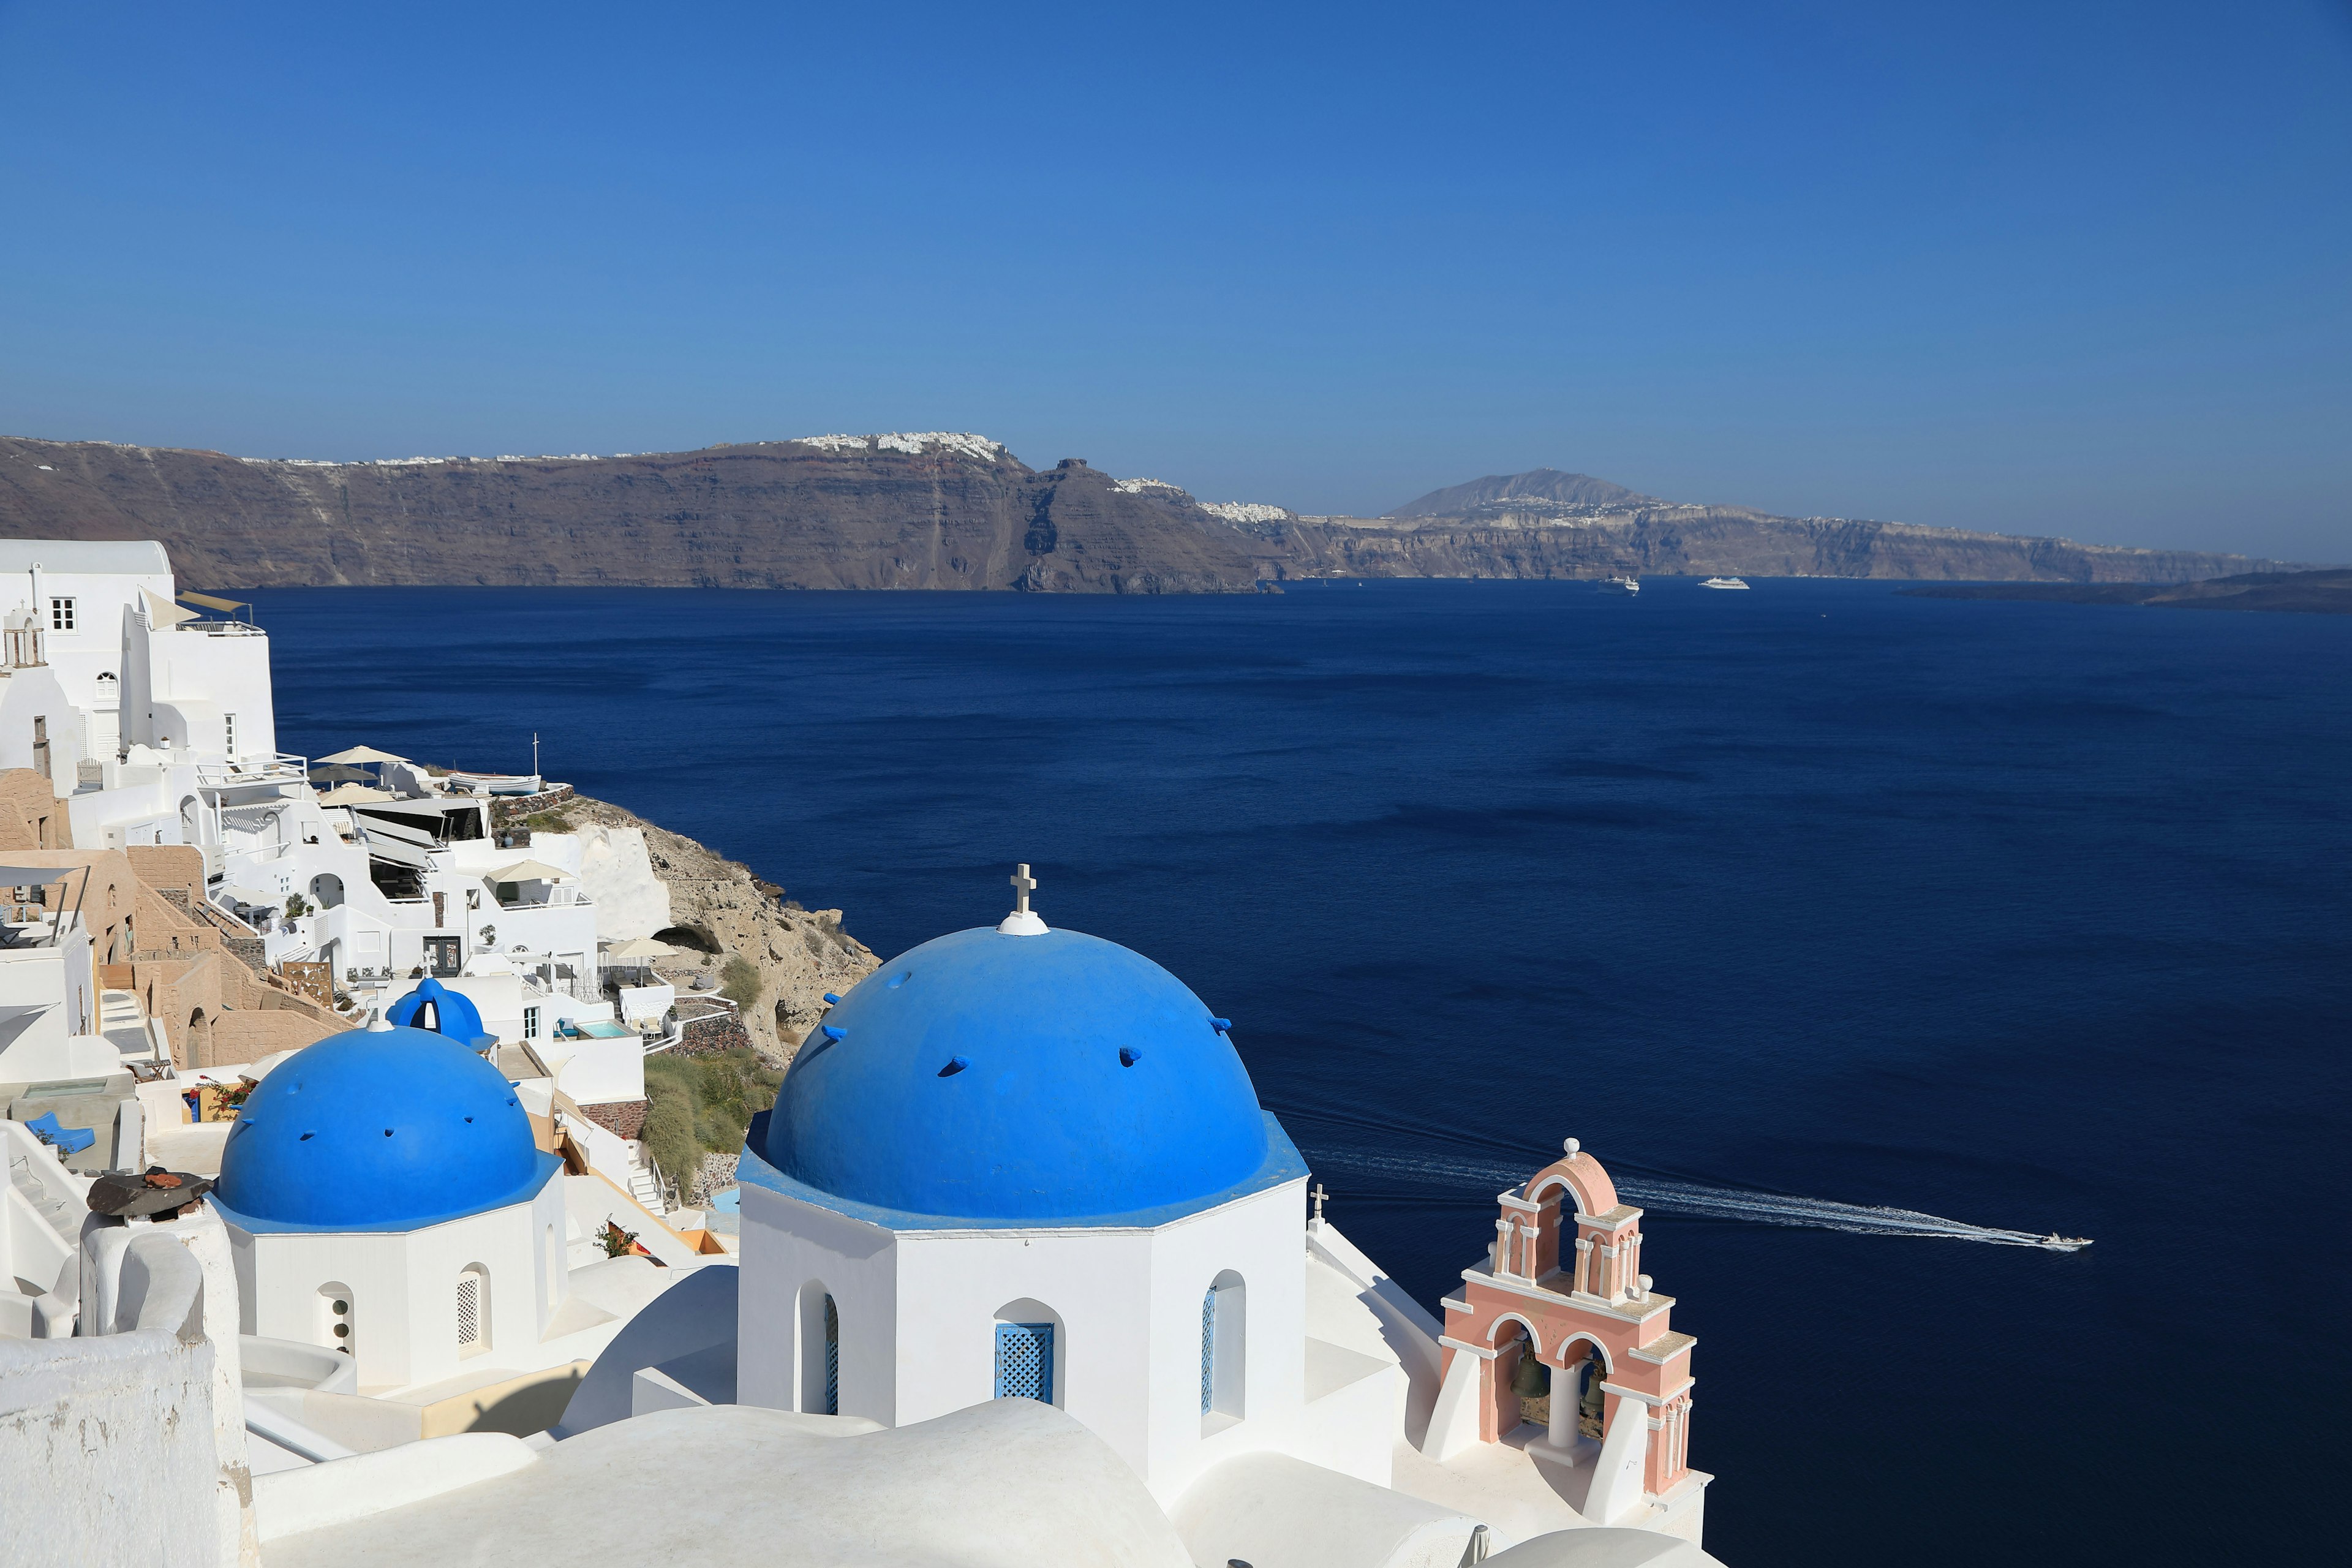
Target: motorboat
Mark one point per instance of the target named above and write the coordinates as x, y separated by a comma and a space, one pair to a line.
1723, 582
1628, 584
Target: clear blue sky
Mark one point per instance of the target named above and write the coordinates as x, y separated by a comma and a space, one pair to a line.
2048, 268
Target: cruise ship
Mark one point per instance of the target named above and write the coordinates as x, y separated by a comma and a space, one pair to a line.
1723, 582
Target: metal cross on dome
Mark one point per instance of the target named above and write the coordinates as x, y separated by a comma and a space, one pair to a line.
1023, 884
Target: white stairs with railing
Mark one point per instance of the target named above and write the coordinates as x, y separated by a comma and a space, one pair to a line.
644, 1184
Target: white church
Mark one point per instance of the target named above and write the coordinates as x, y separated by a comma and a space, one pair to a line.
1026, 1275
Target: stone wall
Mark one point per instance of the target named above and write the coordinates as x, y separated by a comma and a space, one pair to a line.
720, 1032
621, 1118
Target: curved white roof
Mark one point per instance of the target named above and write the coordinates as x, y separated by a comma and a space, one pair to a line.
127, 557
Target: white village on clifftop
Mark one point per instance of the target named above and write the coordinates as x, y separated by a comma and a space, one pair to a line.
338, 1235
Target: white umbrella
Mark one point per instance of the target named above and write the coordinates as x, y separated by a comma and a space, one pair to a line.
362, 754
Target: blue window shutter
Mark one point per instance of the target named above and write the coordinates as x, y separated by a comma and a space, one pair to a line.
1025, 1362
832, 1358
1208, 1350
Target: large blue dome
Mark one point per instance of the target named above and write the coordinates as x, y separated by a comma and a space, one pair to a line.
378, 1130
990, 1076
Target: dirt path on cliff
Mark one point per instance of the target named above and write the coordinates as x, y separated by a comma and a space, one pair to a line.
718, 907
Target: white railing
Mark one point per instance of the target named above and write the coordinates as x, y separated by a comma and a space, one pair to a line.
274, 767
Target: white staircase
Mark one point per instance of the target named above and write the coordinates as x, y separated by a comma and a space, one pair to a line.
643, 1185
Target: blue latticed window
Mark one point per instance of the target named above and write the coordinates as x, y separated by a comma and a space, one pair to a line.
832, 1358
1208, 1352
1025, 1362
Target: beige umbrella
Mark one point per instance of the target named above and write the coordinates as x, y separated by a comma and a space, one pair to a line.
362, 754
529, 872
640, 947
354, 795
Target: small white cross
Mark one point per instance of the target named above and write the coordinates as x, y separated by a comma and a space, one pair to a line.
1023, 884
1318, 1195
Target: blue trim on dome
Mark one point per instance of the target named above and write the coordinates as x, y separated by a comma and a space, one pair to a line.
1283, 1164
986, 1074
546, 1168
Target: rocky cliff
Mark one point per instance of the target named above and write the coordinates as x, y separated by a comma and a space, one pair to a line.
933, 509
717, 909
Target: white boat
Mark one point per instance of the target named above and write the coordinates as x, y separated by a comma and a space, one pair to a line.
1723, 582
1626, 584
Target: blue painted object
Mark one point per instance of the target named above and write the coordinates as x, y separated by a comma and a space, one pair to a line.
1048, 1125
70, 1139
1025, 1362
831, 1000
1222, 1026
378, 1130
433, 1005
832, 1032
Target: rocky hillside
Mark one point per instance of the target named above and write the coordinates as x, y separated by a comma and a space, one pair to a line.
717, 909
934, 509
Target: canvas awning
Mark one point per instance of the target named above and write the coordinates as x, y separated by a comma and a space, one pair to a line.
400, 853
529, 872
162, 612
336, 773
34, 876
362, 754
379, 828
210, 602
354, 795
420, 808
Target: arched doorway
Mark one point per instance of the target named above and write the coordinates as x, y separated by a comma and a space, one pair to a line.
327, 891
200, 1039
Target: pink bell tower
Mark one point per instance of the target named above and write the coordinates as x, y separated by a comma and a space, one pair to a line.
1562, 1282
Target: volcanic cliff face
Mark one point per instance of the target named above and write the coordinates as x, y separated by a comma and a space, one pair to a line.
934, 509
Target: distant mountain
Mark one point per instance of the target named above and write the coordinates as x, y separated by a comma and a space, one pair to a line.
2322, 593
1566, 491
934, 509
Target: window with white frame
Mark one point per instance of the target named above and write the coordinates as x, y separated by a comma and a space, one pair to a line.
61, 614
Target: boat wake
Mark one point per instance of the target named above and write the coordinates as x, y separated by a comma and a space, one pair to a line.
1699, 1200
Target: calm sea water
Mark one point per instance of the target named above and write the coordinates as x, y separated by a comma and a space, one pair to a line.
2027, 916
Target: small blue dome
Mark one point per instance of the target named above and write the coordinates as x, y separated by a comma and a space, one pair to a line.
379, 1130
996, 1076
451, 1013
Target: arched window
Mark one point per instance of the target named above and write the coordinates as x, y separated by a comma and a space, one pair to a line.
1029, 1352
820, 1343
1223, 1340
473, 1310
338, 1326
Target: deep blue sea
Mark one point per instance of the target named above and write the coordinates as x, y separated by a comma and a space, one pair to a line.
2026, 916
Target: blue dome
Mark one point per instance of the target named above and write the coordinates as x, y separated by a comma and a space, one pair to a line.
453, 1013
995, 1076
378, 1130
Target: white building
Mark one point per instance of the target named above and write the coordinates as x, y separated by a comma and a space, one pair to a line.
78, 593
157, 724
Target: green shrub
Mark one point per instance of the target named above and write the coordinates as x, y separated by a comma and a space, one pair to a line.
702, 1104
738, 981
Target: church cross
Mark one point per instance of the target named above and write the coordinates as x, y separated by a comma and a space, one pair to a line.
1023, 884
1318, 1195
